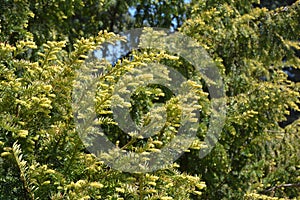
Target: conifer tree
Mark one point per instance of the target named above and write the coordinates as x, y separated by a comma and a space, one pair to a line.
43, 44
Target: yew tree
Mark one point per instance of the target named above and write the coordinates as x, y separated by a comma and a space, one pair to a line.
43, 45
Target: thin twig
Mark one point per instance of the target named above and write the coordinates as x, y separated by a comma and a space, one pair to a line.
282, 185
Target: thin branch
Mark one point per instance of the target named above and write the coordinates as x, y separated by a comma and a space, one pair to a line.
17, 153
282, 185
133, 140
141, 187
